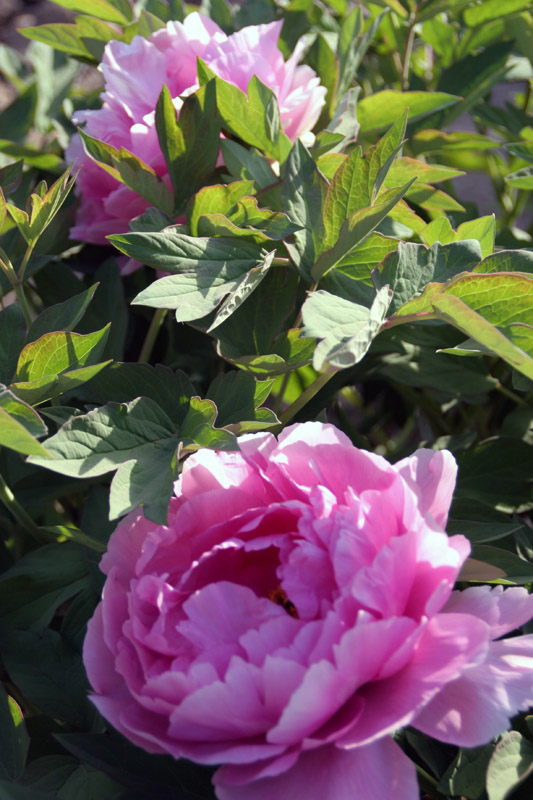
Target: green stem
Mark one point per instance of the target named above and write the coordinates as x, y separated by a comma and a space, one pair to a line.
406, 62
305, 396
511, 395
151, 336
23, 518
44, 535
18, 288
428, 784
24, 264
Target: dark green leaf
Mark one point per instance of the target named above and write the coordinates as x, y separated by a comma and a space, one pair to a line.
15, 740
238, 398
304, 192
48, 672
63, 316
12, 338
191, 144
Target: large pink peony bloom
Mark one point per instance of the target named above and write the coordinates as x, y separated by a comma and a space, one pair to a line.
297, 609
134, 76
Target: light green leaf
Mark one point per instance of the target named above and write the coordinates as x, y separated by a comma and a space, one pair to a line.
510, 765
482, 229
453, 310
112, 11
507, 261
15, 435
492, 10
345, 328
254, 117
433, 141
56, 363
42, 206
403, 169
432, 199
521, 179
381, 109
355, 230
358, 179
218, 198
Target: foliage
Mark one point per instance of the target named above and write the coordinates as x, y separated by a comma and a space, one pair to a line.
381, 277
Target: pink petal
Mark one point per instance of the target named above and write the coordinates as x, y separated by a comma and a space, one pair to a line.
432, 474
503, 609
477, 706
377, 772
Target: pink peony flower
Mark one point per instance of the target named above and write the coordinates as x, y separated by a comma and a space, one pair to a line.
297, 609
134, 75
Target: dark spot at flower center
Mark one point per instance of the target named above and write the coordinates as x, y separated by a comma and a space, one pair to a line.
279, 597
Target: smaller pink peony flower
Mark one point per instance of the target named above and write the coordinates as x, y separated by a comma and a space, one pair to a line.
295, 611
134, 75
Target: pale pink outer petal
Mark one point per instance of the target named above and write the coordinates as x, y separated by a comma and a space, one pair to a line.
432, 475
478, 706
503, 610
377, 772
451, 643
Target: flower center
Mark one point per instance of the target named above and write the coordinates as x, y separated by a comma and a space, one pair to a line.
279, 597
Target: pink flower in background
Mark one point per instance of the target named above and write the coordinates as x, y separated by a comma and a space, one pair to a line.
134, 75
297, 609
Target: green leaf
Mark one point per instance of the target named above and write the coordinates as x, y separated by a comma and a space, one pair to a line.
466, 774
403, 169
191, 144
254, 117
482, 532
32, 590
358, 179
460, 314
346, 48
55, 353
507, 261
521, 179
206, 269
496, 473
42, 206
218, 198
129, 169
345, 328
355, 230
247, 164
510, 765
492, 9
12, 338
352, 277
15, 740
434, 141
249, 282
288, 352
303, 194
11, 176
138, 439
411, 267
381, 109
273, 224
124, 382
63, 316
15, 435
110, 10
521, 149
238, 398
482, 229
49, 673
55, 363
